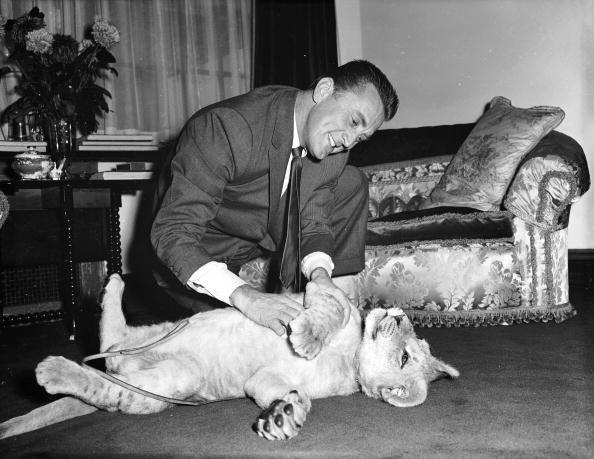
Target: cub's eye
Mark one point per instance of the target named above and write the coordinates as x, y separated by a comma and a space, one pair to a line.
404, 359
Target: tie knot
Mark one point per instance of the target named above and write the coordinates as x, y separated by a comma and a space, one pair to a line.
296, 152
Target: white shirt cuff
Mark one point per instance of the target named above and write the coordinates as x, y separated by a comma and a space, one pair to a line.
215, 280
316, 260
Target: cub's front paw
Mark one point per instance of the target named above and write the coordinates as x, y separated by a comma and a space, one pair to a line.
324, 315
58, 375
283, 418
313, 328
306, 336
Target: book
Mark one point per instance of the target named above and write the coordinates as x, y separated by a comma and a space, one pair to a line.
117, 147
142, 136
123, 175
117, 142
21, 149
25, 143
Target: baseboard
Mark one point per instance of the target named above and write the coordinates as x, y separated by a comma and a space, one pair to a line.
581, 254
581, 268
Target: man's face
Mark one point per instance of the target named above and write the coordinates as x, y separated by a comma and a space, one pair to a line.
339, 120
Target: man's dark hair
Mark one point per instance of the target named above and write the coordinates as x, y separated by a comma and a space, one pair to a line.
358, 73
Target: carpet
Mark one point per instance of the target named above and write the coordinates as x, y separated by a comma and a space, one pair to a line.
524, 391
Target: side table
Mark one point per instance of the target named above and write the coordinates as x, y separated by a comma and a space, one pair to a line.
66, 202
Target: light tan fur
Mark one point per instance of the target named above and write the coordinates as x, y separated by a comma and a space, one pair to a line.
222, 354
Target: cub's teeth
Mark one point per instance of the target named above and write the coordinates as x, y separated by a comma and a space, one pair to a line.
331, 141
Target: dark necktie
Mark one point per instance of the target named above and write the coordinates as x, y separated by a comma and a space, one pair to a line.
291, 260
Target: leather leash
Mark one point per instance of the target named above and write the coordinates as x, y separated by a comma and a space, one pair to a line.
138, 350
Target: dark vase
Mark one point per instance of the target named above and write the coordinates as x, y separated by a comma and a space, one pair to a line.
61, 143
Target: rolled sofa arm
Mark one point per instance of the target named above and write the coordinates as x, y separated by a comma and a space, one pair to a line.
551, 178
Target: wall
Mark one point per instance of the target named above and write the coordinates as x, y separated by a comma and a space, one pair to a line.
448, 58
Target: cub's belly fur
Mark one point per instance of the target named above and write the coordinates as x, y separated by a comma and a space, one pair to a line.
223, 349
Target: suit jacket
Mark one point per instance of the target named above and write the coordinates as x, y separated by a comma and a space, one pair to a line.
220, 193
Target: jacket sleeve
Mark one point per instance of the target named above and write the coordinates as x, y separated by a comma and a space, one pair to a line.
206, 158
316, 212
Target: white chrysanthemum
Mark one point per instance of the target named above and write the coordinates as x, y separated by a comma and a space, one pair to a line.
105, 33
39, 41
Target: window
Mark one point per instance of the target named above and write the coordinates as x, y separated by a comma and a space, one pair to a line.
174, 57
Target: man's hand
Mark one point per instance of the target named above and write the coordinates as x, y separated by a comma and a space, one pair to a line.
270, 310
327, 310
333, 296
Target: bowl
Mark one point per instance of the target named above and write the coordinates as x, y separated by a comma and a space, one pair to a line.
31, 165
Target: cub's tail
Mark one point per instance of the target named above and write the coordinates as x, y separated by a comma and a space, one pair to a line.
52, 413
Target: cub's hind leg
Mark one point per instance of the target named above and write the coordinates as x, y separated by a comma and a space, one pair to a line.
112, 327
62, 376
115, 334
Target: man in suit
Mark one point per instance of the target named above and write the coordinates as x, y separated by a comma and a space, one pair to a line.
222, 197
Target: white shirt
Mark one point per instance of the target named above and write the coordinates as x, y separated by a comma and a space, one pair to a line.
216, 280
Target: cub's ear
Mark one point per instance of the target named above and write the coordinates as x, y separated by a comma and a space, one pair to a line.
413, 392
439, 369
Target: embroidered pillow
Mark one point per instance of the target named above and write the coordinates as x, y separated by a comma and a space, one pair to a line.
484, 166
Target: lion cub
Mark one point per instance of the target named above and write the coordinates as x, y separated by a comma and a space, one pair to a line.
221, 354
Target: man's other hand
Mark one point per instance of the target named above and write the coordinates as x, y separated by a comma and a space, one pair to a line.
328, 296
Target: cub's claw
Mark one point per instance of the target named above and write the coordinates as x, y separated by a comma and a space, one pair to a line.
283, 418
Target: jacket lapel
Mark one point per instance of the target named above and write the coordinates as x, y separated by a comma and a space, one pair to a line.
278, 156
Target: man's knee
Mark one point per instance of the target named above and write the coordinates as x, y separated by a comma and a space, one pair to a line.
352, 192
352, 184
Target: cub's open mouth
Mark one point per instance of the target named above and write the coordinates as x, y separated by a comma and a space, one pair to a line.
388, 323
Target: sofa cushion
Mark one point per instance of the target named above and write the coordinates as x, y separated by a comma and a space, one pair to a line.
484, 166
439, 224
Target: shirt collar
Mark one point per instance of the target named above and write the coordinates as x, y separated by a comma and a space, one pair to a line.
296, 141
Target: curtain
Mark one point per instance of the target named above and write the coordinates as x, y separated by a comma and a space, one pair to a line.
174, 57
295, 41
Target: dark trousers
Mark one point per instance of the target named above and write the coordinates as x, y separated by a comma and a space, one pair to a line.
349, 225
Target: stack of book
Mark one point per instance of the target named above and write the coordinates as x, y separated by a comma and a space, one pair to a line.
142, 141
128, 171
19, 147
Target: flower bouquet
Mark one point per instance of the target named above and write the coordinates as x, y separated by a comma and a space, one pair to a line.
56, 74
